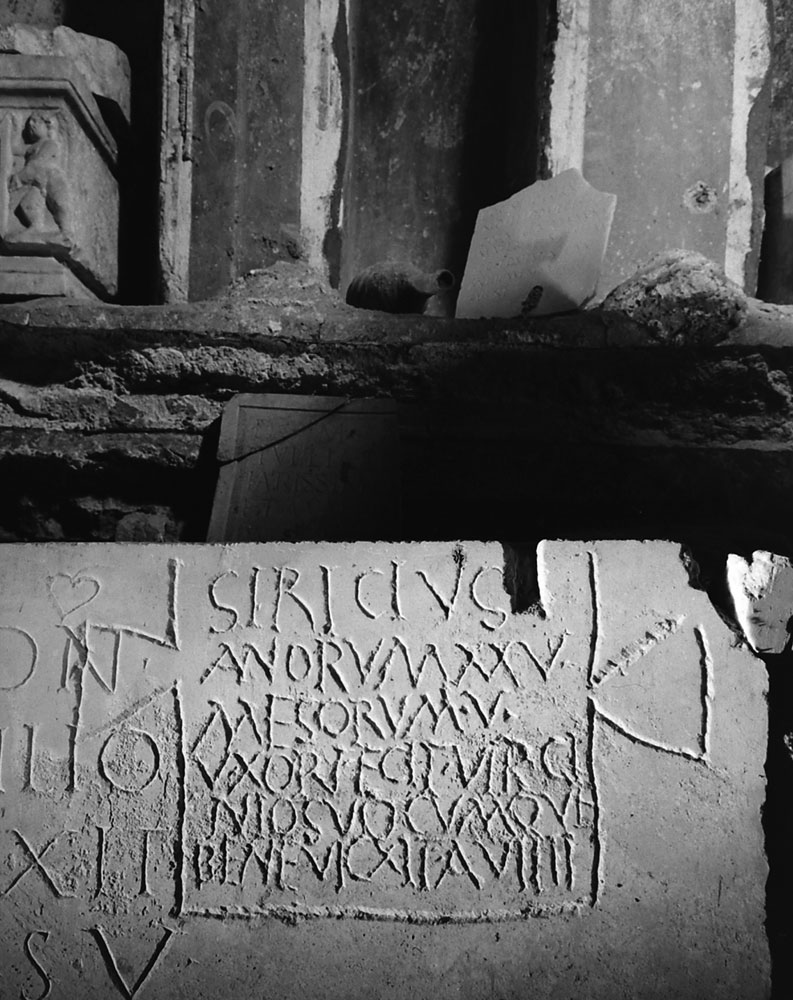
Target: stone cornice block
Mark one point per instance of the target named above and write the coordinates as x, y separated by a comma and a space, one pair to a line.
42, 75
100, 63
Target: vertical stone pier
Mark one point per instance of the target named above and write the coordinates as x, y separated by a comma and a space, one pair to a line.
246, 149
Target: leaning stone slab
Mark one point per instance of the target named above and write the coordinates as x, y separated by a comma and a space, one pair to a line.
539, 251
355, 770
305, 467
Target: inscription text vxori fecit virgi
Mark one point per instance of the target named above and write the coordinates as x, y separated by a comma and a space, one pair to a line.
392, 738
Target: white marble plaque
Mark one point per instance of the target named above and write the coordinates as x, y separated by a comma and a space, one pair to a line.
203, 743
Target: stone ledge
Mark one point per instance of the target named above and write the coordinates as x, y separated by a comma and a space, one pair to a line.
323, 317
331, 321
106, 411
150, 369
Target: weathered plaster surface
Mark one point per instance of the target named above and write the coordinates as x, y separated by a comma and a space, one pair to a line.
657, 124
569, 88
176, 139
665, 105
248, 107
323, 114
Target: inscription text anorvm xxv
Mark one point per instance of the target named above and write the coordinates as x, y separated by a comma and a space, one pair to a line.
387, 739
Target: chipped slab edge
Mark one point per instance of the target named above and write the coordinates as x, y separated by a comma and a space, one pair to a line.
41, 277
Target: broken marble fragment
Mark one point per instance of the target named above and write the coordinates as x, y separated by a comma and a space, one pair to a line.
762, 595
552, 236
676, 297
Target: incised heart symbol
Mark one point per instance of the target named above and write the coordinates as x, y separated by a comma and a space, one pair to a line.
73, 592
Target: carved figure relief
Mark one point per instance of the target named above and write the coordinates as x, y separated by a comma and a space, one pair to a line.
38, 199
59, 184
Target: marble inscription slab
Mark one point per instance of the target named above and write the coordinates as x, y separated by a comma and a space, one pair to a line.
203, 747
306, 467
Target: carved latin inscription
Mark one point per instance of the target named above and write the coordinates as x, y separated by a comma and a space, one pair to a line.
396, 742
292, 731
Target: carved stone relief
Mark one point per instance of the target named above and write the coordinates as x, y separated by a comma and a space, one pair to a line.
59, 195
34, 175
204, 749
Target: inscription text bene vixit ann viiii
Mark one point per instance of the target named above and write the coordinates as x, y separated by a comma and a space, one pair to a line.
315, 734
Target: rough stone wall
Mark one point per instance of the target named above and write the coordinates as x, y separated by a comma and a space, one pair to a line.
526, 429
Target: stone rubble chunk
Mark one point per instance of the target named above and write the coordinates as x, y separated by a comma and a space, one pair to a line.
539, 251
762, 595
676, 297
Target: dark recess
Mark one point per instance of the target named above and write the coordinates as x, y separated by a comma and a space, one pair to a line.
137, 29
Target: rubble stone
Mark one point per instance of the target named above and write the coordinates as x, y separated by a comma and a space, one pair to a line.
676, 297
